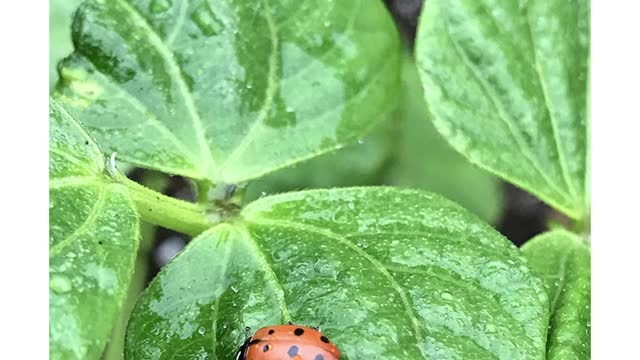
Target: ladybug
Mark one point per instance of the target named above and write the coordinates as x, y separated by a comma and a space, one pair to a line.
282, 342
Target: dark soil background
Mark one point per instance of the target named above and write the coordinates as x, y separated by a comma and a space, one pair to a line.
523, 215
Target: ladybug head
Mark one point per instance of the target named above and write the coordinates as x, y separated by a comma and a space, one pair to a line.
242, 352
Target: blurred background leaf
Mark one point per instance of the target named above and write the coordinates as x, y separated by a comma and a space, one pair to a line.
424, 160
405, 150
60, 45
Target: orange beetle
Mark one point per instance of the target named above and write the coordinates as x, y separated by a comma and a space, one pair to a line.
282, 342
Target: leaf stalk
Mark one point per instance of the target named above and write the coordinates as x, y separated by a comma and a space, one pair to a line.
168, 212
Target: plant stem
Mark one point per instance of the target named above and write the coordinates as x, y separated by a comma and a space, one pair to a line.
202, 188
165, 211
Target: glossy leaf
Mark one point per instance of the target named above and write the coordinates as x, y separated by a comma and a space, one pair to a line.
563, 261
404, 150
423, 159
93, 238
231, 90
390, 274
507, 84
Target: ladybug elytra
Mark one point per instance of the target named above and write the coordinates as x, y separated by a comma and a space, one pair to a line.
281, 342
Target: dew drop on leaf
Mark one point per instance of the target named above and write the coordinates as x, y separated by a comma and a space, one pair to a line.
446, 296
160, 6
60, 284
206, 20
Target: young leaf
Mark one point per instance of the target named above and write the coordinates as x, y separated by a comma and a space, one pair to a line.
507, 84
564, 263
232, 90
390, 274
93, 238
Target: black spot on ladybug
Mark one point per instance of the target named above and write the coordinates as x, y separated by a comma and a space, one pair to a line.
266, 348
293, 351
298, 331
271, 332
324, 339
319, 357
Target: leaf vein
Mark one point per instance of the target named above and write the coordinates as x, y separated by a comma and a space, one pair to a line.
375, 262
57, 183
74, 160
175, 72
554, 122
270, 275
179, 23
270, 92
95, 212
505, 120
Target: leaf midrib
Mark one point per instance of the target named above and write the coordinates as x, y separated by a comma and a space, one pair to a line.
272, 87
267, 268
377, 264
98, 206
554, 122
175, 72
517, 139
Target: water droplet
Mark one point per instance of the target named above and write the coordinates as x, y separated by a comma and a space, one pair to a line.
360, 141
60, 284
235, 290
446, 296
201, 331
160, 6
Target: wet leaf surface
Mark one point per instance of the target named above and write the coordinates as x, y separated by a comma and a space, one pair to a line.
507, 82
93, 238
390, 274
405, 150
232, 90
563, 261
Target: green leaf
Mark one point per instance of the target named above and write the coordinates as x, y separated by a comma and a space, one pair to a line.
93, 238
563, 261
507, 84
404, 150
390, 274
232, 90
60, 14
425, 160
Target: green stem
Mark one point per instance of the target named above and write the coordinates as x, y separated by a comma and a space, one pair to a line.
582, 226
165, 211
202, 188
